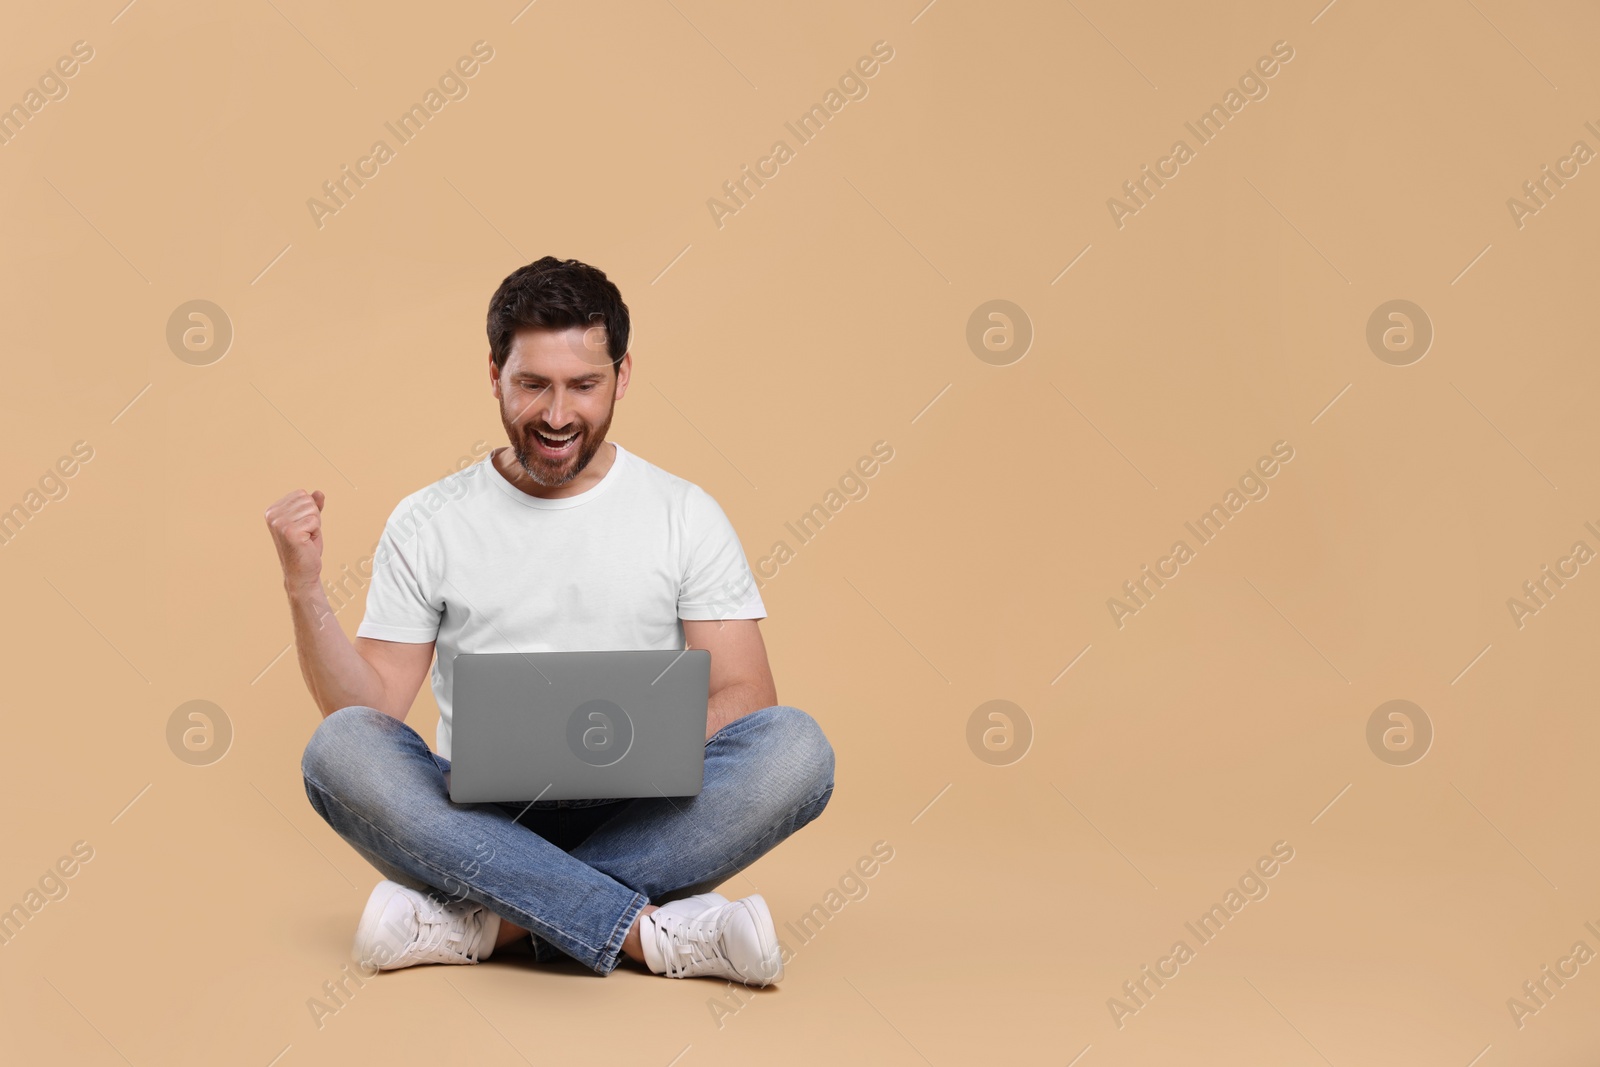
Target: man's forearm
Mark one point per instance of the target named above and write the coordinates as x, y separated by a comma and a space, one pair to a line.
735, 702
334, 671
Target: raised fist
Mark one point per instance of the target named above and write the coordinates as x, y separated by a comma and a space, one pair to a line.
296, 525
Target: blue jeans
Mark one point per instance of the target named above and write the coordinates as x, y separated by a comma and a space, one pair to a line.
574, 873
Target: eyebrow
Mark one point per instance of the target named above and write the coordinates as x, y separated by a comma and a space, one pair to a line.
526, 376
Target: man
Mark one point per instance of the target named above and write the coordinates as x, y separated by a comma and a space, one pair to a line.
562, 541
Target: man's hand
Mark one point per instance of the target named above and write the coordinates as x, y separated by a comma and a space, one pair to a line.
296, 525
377, 674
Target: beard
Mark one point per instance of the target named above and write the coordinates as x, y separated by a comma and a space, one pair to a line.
555, 473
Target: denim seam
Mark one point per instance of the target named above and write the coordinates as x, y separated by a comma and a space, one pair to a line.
498, 903
619, 932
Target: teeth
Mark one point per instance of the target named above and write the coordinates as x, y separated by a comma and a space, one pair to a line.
553, 437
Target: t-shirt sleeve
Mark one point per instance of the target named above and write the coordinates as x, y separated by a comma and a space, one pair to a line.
717, 583
401, 603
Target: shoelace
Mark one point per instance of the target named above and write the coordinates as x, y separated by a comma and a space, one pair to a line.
686, 944
449, 930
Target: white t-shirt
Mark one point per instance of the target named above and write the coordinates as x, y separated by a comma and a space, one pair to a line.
477, 565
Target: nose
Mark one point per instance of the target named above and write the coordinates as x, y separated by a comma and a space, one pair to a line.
559, 414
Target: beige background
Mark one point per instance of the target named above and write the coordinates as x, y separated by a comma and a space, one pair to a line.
830, 313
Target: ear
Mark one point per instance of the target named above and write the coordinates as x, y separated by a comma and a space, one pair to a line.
494, 378
624, 372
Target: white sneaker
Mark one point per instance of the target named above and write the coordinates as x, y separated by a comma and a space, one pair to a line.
711, 935
402, 927
689, 907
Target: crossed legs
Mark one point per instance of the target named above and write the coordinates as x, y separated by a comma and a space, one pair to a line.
376, 782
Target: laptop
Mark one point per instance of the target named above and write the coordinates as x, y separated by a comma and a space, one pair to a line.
578, 725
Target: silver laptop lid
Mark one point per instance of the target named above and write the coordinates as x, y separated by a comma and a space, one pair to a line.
578, 725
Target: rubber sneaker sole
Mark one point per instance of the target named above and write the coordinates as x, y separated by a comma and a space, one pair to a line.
370, 928
767, 934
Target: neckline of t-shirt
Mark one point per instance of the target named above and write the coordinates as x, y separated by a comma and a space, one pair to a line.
560, 502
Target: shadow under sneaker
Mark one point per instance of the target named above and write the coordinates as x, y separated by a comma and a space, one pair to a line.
401, 927
710, 936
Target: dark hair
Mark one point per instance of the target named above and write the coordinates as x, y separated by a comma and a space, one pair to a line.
555, 294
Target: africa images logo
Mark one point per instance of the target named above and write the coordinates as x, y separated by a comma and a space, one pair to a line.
1205, 129
1252, 486
599, 732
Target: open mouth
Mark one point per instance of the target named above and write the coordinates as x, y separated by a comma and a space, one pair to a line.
557, 447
